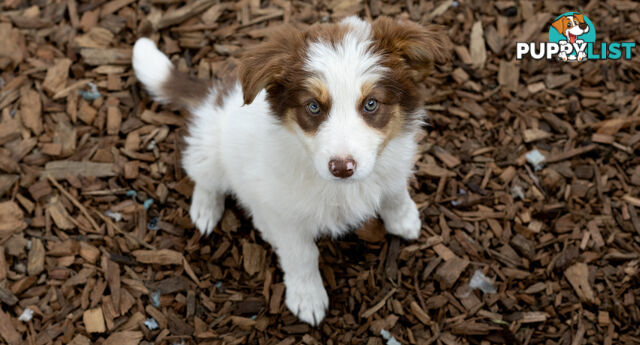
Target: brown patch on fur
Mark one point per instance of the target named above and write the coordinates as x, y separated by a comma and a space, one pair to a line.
289, 119
314, 89
273, 64
411, 44
184, 90
227, 78
365, 91
562, 23
317, 88
307, 122
386, 102
408, 50
389, 118
330, 33
394, 126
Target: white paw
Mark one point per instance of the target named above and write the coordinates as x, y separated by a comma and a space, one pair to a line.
308, 299
406, 224
582, 56
206, 210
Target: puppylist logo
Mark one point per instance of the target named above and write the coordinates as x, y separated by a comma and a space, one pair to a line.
572, 37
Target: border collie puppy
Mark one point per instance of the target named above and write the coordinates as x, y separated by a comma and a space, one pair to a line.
316, 135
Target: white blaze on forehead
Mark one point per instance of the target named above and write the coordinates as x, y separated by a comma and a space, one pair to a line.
346, 65
357, 25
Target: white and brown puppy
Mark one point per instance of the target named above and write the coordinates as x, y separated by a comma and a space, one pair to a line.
316, 136
571, 26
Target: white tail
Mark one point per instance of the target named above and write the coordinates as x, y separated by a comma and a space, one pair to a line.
162, 80
152, 67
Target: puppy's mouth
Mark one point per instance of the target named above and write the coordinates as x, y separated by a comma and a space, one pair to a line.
572, 37
344, 180
339, 180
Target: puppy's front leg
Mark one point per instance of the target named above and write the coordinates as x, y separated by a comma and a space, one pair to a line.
400, 215
298, 254
207, 206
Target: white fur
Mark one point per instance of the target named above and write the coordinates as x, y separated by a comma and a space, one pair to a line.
151, 66
286, 186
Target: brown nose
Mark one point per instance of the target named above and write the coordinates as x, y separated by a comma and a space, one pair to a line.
583, 26
342, 167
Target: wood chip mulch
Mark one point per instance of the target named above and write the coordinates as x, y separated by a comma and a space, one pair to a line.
96, 246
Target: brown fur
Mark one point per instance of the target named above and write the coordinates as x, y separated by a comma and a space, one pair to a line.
331, 33
394, 126
309, 123
272, 64
184, 90
316, 87
226, 79
386, 100
411, 44
409, 50
562, 23
389, 118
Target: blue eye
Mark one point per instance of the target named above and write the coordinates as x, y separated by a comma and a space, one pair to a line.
371, 105
313, 108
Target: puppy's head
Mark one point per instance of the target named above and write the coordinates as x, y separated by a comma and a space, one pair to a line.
345, 89
571, 26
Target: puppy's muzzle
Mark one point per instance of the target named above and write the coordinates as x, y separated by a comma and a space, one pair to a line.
342, 167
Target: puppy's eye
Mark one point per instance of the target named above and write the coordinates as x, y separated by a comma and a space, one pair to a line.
313, 108
370, 105
569, 24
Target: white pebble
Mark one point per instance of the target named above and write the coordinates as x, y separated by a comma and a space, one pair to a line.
536, 159
116, 216
151, 323
480, 281
26, 315
391, 340
517, 192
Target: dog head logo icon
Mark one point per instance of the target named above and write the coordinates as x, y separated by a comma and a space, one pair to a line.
572, 31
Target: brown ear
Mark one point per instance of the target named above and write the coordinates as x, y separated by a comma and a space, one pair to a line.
419, 46
560, 25
264, 65
579, 17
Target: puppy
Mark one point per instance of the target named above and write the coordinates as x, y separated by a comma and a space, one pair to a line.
316, 136
571, 27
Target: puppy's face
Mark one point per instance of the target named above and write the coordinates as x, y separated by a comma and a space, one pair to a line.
571, 26
345, 89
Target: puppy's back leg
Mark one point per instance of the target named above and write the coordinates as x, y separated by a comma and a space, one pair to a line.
163, 81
